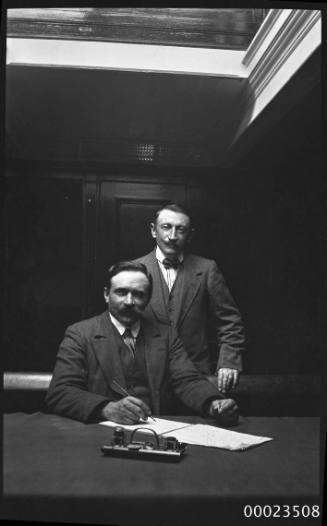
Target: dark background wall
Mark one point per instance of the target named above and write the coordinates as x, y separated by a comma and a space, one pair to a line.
266, 229
43, 268
259, 214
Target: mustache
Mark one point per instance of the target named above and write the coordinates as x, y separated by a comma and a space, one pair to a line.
128, 310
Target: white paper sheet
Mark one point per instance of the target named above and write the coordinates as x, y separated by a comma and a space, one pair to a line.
160, 426
211, 436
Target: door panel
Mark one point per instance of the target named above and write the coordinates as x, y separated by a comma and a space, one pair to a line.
133, 218
125, 210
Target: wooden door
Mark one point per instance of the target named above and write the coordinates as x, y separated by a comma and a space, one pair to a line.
118, 226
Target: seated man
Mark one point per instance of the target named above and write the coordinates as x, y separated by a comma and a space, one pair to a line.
120, 367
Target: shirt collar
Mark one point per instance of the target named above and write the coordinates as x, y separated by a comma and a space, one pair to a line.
161, 256
135, 328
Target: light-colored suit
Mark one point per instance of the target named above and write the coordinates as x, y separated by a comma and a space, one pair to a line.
88, 361
199, 292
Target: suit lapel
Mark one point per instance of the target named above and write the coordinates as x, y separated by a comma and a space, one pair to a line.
155, 357
107, 353
187, 286
157, 303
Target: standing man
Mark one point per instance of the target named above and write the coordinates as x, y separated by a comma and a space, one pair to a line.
120, 367
187, 289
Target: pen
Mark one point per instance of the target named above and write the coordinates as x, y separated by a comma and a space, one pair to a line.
126, 393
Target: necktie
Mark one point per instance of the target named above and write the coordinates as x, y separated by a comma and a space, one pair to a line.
171, 263
129, 341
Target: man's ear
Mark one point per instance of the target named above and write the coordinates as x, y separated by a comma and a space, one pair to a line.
153, 230
106, 295
190, 235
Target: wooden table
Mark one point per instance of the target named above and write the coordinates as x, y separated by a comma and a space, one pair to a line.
54, 470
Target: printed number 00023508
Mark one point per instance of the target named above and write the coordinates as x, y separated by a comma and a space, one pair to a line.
277, 511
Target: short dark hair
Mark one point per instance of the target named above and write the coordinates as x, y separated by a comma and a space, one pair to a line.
174, 207
129, 266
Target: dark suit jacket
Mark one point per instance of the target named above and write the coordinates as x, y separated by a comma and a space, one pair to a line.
199, 291
88, 361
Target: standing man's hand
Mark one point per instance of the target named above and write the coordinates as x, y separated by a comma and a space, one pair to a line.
225, 411
227, 379
128, 410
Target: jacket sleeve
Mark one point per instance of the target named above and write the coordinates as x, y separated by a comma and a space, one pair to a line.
68, 393
191, 386
228, 321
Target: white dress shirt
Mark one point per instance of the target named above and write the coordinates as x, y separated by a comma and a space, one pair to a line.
135, 328
169, 274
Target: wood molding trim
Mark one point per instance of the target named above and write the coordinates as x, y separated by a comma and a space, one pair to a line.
273, 384
287, 38
128, 57
292, 32
261, 36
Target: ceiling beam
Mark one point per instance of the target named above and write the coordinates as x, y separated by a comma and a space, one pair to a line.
128, 57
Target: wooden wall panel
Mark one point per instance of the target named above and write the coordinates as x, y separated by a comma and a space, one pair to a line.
120, 117
211, 28
43, 265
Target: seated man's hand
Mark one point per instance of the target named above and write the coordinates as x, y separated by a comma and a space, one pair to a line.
227, 379
225, 411
128, 410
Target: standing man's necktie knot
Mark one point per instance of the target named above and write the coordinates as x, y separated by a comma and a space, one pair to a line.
171, 263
